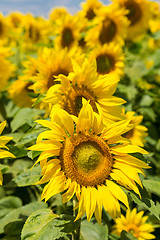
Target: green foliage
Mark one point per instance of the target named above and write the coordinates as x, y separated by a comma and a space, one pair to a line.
12, 210
146, 202
127, 236
22, 215
92, 230
44, 225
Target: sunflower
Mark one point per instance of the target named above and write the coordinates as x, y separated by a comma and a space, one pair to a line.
6, 67
136, 224
4, 27
110, 25
85, 82
81, 156
15, 20
109, 58
56, 13
3, 141
139, 13
36, 30
51, 63
137, 133
89, 8
20, 90
67, 31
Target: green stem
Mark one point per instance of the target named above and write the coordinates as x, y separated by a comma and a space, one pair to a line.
76, 233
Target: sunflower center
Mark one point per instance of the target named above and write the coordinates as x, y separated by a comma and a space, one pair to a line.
51, 79
82, 42
135, 12
108, 31
1, 28
90, 14
73, 102
105, 63
86, 159
67, 37
34, 33
132, 231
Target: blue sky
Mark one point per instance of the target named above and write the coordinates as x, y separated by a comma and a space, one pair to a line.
39, 7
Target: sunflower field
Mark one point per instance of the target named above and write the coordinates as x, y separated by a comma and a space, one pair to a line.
80, 123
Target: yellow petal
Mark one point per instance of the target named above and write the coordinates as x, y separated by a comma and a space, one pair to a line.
117, 192
115, 129
111, 101
85, 118
50, 135
128, 149
1, 178
6, 154
110, 203
46, 145
63, 118
70, 192
132, 161
2, 126
55, 186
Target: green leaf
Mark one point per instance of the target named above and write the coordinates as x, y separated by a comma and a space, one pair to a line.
156, 35
148, 112
127, 236
23, 116
31, 135
136, 70
19, 212
28, 177
152, 186
145, 202
3, 168
7, 204
113, 237
146, 101
17, 151
20, 165
44, 225
13, 230
39, 99
92, 231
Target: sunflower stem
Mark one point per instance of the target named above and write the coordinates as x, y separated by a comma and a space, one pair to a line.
76, 233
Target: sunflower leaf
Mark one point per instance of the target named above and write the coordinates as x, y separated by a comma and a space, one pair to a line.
92, 231
44, 225
28, 177
12, 210
145, 202
127, 236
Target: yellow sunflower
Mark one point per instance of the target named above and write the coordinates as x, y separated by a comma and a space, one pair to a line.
3, 141
67, 30
6, 67
15, 21
109, 58
85, 82
89, 8
136, 224
56, 13
51, 63
137, 133
110, 25
36, 30
20, 90
139, 13
4, 27
81, 156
